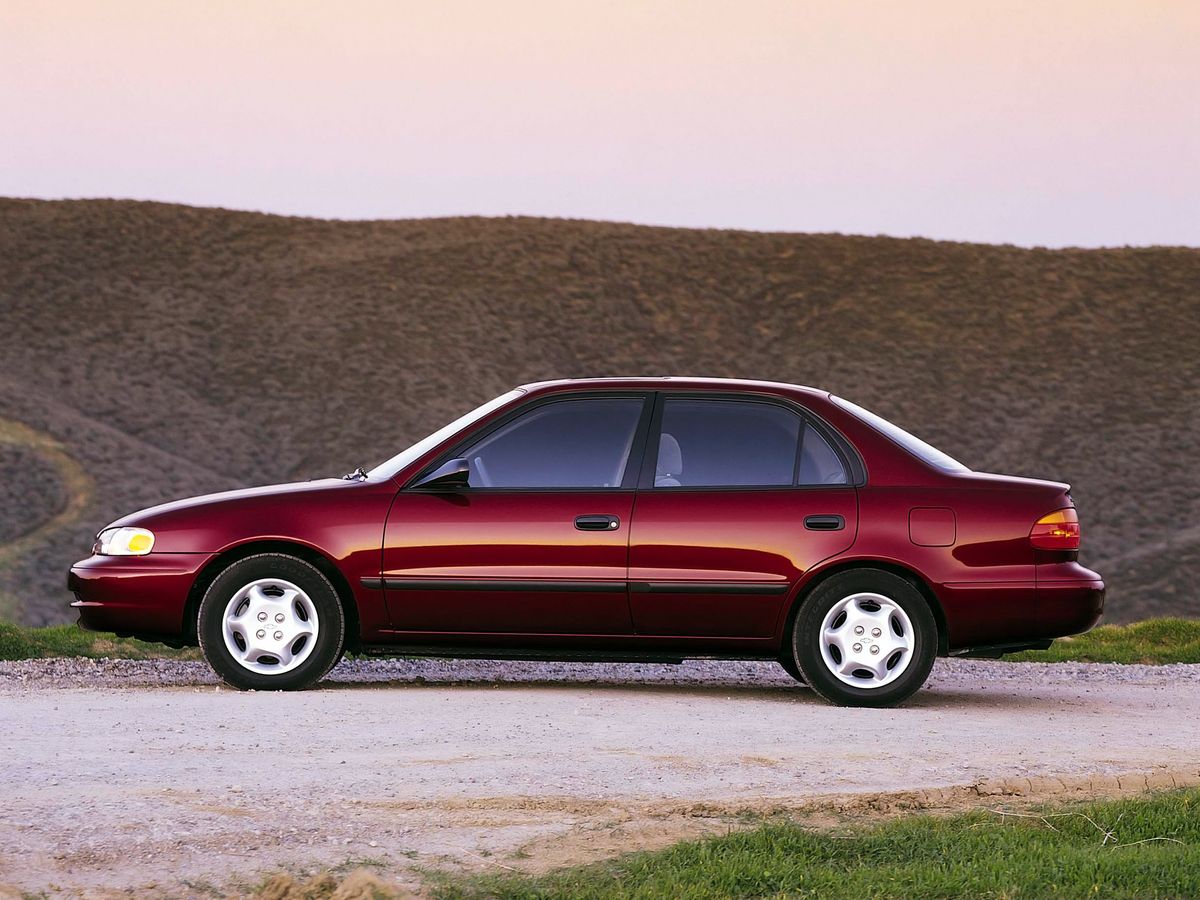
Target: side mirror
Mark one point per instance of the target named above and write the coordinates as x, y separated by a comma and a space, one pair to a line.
453, 473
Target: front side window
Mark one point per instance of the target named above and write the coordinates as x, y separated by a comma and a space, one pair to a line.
390, 467
564, 444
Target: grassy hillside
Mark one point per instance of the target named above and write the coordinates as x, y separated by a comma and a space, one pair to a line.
153, 351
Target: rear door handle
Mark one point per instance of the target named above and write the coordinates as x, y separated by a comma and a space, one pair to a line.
824, 523
597, 523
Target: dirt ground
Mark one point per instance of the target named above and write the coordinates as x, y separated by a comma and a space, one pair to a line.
148, 777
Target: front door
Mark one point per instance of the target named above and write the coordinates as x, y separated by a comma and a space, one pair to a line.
538, 542
738, 499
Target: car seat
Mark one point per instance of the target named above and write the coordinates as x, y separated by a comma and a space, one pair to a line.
670, 462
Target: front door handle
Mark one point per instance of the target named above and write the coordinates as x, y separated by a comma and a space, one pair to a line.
824, 523
597, 523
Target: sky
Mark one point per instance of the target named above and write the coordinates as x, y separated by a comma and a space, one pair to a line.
1047, 123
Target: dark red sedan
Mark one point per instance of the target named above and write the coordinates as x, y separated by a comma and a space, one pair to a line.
637, 519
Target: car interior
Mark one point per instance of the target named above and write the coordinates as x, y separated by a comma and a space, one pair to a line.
819, 463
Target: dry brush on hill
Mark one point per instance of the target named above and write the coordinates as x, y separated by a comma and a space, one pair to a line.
169, 350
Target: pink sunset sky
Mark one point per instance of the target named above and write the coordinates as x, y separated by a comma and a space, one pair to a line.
1057, 122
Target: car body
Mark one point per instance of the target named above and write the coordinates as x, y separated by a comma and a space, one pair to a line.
624, 518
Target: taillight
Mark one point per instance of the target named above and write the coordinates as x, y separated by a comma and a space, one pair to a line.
1058, 530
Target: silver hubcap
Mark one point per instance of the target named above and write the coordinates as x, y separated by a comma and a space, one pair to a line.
867, 640
271, 626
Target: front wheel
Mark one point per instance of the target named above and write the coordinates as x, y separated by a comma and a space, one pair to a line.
271, 622
865, 637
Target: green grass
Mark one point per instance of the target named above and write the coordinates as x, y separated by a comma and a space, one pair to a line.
978, 854
1155, 641
17, 642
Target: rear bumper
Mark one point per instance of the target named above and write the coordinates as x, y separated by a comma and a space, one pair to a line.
989, 615
1070, 598
142, 595
1069, 607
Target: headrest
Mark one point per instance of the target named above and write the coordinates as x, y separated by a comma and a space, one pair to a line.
670, 458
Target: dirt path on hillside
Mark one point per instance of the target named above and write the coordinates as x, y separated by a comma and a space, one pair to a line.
399, 764
77, 485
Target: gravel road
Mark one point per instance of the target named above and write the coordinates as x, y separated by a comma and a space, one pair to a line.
122, 775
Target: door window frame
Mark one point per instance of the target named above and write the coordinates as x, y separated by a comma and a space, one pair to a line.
851, 461
633, 465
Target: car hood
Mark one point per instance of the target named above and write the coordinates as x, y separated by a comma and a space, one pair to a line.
166, 510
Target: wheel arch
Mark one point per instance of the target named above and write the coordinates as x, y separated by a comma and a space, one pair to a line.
815, 579
309, 554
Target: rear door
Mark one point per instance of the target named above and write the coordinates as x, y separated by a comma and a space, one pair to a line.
738, 497
538, 542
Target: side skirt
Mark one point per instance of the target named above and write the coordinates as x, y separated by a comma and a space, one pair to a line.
539, 654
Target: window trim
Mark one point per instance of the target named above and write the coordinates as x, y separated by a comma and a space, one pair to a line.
633, 464
850, 459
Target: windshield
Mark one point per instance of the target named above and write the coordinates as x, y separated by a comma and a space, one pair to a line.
390, 467
911, 443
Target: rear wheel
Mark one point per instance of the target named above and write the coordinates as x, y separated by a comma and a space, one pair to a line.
865, 637
271, 622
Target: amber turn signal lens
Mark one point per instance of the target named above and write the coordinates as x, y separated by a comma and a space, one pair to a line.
140, 543
1058, 530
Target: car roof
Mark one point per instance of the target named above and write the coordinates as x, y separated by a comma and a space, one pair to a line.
676, 382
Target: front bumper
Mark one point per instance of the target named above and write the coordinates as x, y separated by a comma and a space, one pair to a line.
141, 595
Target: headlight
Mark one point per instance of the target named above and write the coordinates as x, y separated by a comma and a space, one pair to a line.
124, 542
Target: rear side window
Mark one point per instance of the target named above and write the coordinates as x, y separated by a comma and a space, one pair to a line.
732, 443
819, 463
565, 444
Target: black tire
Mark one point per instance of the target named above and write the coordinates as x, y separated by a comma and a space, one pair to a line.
789, 666
806, 637
331, 633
